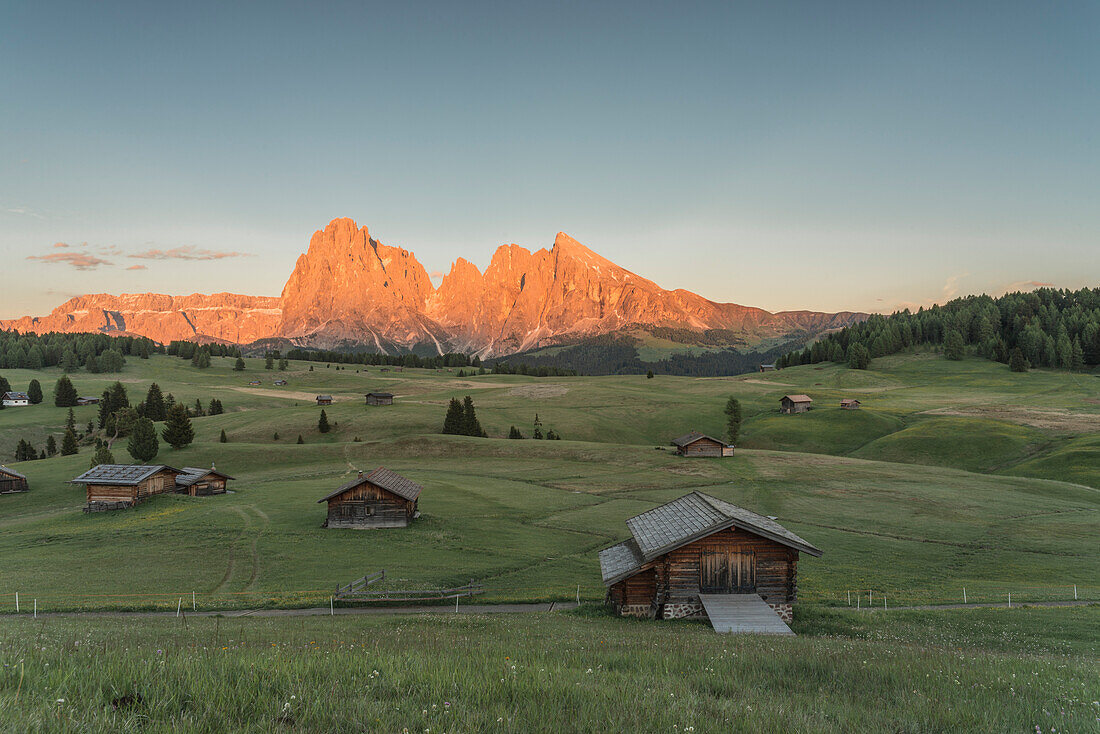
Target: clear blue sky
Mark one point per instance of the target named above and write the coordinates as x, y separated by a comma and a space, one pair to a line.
783, 155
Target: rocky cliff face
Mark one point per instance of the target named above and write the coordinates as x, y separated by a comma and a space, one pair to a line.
222, 316
349, 289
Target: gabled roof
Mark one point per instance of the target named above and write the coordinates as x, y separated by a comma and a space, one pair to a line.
799, 398
11, 472
381, 477
126, 475
380, 394
692, 437
848, 401
192, 474
675, 524
324, 397
14, 395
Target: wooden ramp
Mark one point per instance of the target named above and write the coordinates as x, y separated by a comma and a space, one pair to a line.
743, 613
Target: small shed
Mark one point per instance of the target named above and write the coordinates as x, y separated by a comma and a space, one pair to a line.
795, 404
767, 368
380, 398
116, 486
253, 382
324, 400
280, 382
699, 444
198, 482
14, 399
701, 545
87, 400
11, 481
849, 404
381, 499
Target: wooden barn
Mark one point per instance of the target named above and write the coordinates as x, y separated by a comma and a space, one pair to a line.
198, 482
380, 398
767, 368
11, 481
381, 499
280, 382
699, 444
87, 400
116, 486
324, 400
795, 404
699, 556
15, 399
849, 404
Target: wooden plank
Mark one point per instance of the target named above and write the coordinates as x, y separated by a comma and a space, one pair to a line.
743, 613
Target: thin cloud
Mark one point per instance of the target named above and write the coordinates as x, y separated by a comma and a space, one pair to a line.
78, 260
188, 252
22, 211
137, 267
1026, 285
950, 290
61, 244
435, 275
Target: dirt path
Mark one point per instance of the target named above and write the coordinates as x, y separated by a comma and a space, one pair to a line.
983, 605
324, 611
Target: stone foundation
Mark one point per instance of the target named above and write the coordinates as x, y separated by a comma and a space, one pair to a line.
692, 610
784, 611
634, 610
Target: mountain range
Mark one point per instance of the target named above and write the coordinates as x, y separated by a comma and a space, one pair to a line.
350, 291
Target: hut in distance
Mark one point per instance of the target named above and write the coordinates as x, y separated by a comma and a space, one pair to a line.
380, 499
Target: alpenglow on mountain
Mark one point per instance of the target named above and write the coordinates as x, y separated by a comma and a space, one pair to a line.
351, 291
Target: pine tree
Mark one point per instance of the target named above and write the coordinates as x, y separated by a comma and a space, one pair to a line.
953, 345
68, 443
469, 419
649, 374
238, 366
222, 438
1016, 360
513, 432
552, 435
1077, 358
215, 407
322, 423
69, 362
300, 438
34, 392
102, 455
155, 409
453, 423
283, 365
64, 394
51, 446
859, 357
537, 432
177, 431
275, 436
199, 412
143, 444
70, 421
5, 386
269, 362
733, 419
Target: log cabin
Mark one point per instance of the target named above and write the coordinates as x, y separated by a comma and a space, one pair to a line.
87, 400
11, 481
767, 368
790, 404
14, 399
699, 544
280, 382
197, 482
324, 400
381, 499
849, 404
379, 398
117, 486
698, 444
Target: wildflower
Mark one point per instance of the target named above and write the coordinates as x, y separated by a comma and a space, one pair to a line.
60, 701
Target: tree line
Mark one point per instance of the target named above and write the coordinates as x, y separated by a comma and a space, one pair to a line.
1046, 327
72, 352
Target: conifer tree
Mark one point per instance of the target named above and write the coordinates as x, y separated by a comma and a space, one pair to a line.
34, 392
155, 409
1016, 360
322, 422
199, 412
537, 432
222, 438
64, 394
513, 432
300, 438
70, 421
238, 366
733, 419
953, 345
269, 362
102, 455
51, 446
453, 423
68, 443
469, 419
215, 407
143, 444
177, 431
5, 386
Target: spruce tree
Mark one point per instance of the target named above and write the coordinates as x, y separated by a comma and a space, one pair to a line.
199, 412
5, 386
51, 446
300, 438
552, 435
64, 394
953, 345
177, 431
215, 407
69, 362
269, 362
733, 419
322, 423
859, 357
222, 438
275, 436
34, 392
70, 421
513, 432
469, 419
238, 366
453, 423
537, 432
68, 443
1016, 360
155, 409
143, 444
649, 374
102, 455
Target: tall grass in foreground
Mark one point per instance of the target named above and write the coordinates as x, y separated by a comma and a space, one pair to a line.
556, 672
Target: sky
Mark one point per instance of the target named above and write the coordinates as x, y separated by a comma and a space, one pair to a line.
831, 156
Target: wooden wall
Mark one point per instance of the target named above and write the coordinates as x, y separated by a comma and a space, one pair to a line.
702, 447
9, 483
211, 484
368, 506
164, 481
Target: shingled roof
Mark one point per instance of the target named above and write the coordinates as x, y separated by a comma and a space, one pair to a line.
693, 516
799, 398
380, 394
382, 477
692, 437
192, 474
124, 475
11, 472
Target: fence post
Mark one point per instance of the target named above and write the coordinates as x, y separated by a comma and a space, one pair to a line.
964, 595
857, 601
884, 600
193, 607
869, 600
849, 597
331, 609
36, 609
579, 594
179, 606
17, 599
1010, 600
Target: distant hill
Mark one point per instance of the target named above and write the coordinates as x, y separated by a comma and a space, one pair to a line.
351, 292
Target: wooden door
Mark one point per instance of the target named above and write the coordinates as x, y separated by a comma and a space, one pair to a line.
727, 572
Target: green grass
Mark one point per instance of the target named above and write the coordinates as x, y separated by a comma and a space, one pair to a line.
973, 444
847, 672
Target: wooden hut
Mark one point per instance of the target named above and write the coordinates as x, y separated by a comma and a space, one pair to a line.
381, 499
14, 399
380, 398
701, 545
198, 482
767, 368
87, 400
699, 444
324, 400
789, 404
116, 486
280, 382
11, 481
849, 404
